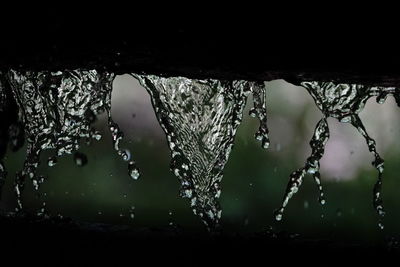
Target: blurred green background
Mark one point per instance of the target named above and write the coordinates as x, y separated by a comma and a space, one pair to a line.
254, 180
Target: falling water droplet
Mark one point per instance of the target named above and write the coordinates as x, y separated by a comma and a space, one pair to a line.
42, 212
278, 216
117, 135
339, 212
52, 161
171, 219
132, 212
80, 159
133, 170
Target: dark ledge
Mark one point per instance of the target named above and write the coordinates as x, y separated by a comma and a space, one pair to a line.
66, 239
315, 46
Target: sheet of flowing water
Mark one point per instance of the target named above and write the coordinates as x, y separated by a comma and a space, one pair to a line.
200, 119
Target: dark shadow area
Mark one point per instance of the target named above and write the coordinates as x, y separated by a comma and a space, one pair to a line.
59, 241
273, 43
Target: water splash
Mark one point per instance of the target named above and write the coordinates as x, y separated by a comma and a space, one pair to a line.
57, 110
343, 102
200, 119
259, 110
317, 143
117, 134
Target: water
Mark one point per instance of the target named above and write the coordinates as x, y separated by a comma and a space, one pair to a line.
200, 119
259, 110
343, 102
317, 143
57, 110
132, 212
133, 170
80, 159
52, 161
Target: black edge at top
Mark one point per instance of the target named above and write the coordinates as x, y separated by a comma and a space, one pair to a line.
341, 45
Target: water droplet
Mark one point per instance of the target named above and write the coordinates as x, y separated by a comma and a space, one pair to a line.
132, 212
133, 170
278, 215
171, 221
246, 221
339, 212
117, 135
80, 159
278, 147
52, 161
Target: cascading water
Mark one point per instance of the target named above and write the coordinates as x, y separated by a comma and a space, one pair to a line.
343, 102
200, 119
259, 110
57, 110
